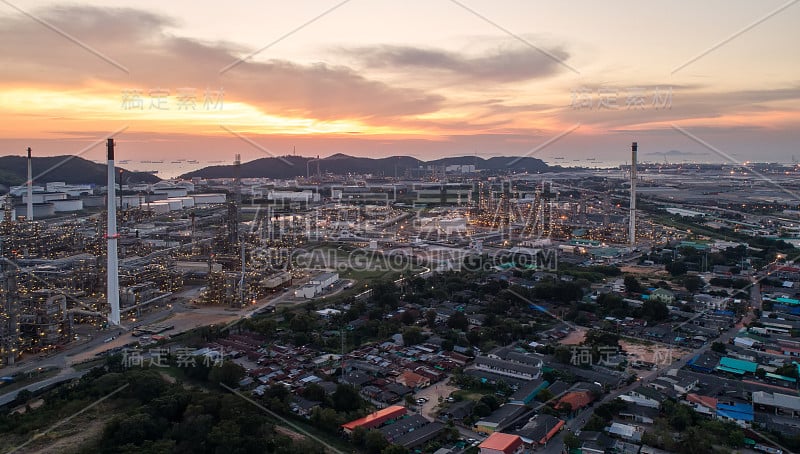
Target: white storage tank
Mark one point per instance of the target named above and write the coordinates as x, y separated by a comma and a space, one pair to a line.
40, 210
208, 199
131, 201
94, 200
172, 192
67, 205
41, 197
158, 207
186, 202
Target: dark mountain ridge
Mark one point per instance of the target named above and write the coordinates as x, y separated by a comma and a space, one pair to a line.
69, 169
341, 164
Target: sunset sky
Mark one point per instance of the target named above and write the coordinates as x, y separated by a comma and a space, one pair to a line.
425, 78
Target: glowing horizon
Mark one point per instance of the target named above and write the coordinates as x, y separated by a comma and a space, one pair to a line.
378, 80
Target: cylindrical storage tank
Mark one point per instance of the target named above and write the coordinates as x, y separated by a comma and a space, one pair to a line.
42, 210
130, 201
93, 201
188, 202
156, 197
208, 199
158, 207
50, 196
67, 205
172, 192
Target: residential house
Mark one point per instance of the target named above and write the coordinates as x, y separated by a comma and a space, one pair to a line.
413, 380
501, 443
402, 426
420, 436
704, 405
575, 400
663, 295
376, 419
736, 366
777, 403
500, 418
458, 410
740, 413
643, 397
527, 392
642, 415
626, 431
507, 368
595, 442
303, 407
706, 363
539, 430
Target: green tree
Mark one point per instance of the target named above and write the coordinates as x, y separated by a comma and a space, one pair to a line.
481, 410
23, 396
544, 395
412, 335
458, 321
375, 442
229, 374
692, 283
346, 398
678, 268
632, 284
718, 347
314, 392
358, 436
490, 401
407, 318
654, 310
394, 449
681, 417
572, 441
562, 355
430, 318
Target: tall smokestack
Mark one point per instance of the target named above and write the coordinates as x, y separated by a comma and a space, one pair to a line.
112, 289
632, 230
30, 186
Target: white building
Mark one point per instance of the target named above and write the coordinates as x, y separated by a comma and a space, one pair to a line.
208, 199
307, 291
293, 196
324, 280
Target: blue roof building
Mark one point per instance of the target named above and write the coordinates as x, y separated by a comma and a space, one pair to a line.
737, 366
739, 413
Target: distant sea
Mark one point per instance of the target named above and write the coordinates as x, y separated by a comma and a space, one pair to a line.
167, 169
173, 168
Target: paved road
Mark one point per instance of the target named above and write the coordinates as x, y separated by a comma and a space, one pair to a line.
755, 296
64, 375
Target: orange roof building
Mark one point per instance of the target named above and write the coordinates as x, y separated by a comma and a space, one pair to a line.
376, 419
576, 400
500, 443
413, 380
